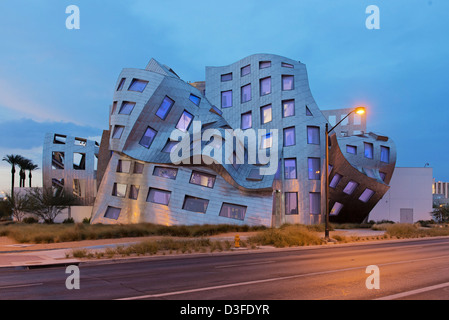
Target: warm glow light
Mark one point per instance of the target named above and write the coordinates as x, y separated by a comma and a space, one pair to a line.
360, 110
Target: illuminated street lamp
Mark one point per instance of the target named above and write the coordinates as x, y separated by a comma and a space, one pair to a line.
360, 111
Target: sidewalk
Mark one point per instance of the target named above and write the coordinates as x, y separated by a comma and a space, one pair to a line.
14, 255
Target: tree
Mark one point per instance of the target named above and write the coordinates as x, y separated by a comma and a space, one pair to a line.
18, 205
47, 205
441, 214
13, 160
23, 163
30, 166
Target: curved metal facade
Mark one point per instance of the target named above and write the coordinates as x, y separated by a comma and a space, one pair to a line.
153, 111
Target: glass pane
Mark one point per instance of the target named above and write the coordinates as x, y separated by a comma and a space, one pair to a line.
164, 108
202, 179
287, 82
119, 190
226, 99
226, 77
246, 93
245, 70
314, 168
147, 137
112, 213
335, 180
120, 85
133, 192
264, 64
158, 196
366, 195
288, 108
290, 168
313, 135
315, 203
246, 121
196, 100
118, 130
336, 208
351, 149
184, 121
265, 86
265, 114
291, 203
267, 141
286, 65
195, 204
350, 187
169, 173
138, 167
123, 166
233, 211
368, 150
137, 85
289, 136
127, 107
384, 154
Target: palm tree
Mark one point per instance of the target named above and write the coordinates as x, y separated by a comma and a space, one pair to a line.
12, 159
31, 167
23, 163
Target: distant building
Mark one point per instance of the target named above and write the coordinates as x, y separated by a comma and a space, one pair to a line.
409, 198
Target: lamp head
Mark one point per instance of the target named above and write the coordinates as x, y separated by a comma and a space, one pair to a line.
360, 110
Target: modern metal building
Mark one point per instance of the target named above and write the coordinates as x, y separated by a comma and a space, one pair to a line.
245, 146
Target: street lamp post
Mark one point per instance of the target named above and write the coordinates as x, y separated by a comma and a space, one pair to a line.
358, 110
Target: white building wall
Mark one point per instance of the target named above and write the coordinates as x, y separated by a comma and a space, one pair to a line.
410, 188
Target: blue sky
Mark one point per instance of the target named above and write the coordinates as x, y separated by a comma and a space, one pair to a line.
55, 79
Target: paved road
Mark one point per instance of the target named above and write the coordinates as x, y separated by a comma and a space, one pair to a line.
417, 269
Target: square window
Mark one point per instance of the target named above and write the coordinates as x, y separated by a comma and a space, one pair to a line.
195, 204
133, 192
120, 85
226, 99
79, 161
314, 165
196, 100
266, 114
169, 146
351, 149
147, 137
288, 108
314, 202
287, 82
267, 141
119, 190
127, 107
309, 113
265, 86
245, 93
245, 70
336, 208
123, 166
335, 180
264, 64
79, 188
286, 65
59, 139
57, 160
368, 150
289, 136
137, 85
246, 121
165, 107
313, 135
112, 213
366, 195
117, 133
184, 121
385, 154
138, 168
168, 173
291, 203
350, 187
290, 168
233, 211
202, 179
226, 77
158, 196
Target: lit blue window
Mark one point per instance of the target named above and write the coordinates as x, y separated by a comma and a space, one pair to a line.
196, 100
184, 121
127, 107
164, 108
385, 154
147, 137
137, 85
368, 150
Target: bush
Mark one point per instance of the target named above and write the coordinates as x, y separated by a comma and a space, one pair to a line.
286, 236
30, 220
